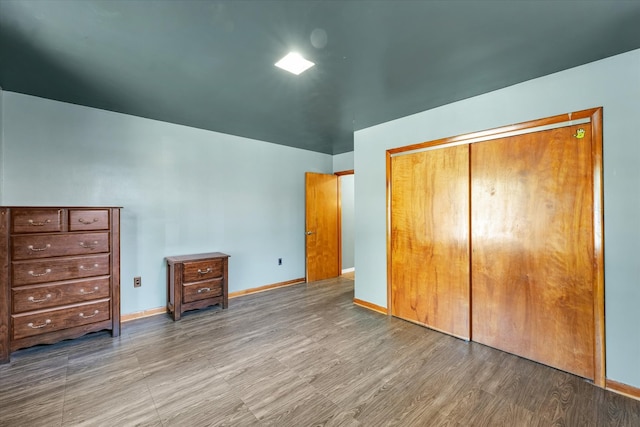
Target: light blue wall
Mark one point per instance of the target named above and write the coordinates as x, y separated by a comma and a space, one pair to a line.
614, 84
343, 162
183, 190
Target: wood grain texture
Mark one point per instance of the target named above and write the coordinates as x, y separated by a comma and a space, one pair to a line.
5, 288
430, 239
370, 306
142, 314
307, 357
115, 271
532, 239
53, 245
499, 132
266, 287
322, 232
622, 388
62, 278
598, 246
197, 281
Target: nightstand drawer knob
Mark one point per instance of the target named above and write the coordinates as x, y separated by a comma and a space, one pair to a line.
207, 271
95, 313
89, 245
88, 221
201, 290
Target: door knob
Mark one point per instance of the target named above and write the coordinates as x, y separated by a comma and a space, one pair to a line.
309, 233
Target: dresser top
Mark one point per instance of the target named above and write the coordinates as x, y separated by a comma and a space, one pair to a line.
195, 257
61, 207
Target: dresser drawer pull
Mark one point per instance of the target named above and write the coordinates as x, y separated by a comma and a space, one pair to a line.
95, 313
32, 326
83, 292
47, 297
44, 248
207, 271
82, 267
201, 290
39, 224
89, 245
47, 271
88, 221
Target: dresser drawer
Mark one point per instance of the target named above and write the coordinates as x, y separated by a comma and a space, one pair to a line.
202, 270
53, 270
53, 245
38, 297
36, 220
84, 219
202, 290
41, 322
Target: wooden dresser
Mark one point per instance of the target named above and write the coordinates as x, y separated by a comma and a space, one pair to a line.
196, 281
59, 274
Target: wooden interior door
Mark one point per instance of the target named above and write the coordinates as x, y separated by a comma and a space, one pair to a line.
430, 239
322, 230
532, 247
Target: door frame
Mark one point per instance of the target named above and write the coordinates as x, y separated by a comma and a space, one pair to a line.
593, 116
339, 209
340, 174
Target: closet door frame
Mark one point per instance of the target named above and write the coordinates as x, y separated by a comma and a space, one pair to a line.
592, 116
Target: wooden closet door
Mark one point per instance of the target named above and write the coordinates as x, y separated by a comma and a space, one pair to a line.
430, 239
532, 247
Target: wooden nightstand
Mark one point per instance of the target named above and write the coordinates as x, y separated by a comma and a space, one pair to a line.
196, 281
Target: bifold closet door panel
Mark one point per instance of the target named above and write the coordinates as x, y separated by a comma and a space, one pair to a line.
532, 247
430, 239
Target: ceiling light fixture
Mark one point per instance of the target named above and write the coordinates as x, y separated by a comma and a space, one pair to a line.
294, 63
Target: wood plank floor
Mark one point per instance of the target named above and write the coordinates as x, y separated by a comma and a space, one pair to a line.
297, 356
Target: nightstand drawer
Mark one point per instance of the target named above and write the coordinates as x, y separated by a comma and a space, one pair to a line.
202, 290
38, 297
54, 245
202, 270
42, 322
56, 269
36, 220
84, 219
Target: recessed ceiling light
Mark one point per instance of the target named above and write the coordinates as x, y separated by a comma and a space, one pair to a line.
294, 63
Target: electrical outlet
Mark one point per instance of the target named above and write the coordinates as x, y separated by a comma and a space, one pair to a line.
137, 282
279, 261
